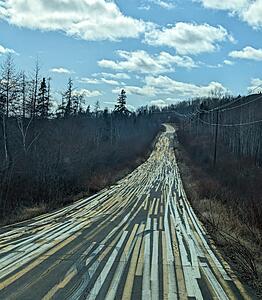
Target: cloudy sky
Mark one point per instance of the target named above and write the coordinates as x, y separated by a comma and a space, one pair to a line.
158, 50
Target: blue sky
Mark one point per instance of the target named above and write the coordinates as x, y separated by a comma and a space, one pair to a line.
160, 51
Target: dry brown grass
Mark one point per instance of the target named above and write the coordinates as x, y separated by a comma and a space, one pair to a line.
101, 179
30, 212
25, 213
239, 243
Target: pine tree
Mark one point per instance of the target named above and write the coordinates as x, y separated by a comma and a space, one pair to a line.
121, 101
120, 107
42, 105
87, 112
68, 98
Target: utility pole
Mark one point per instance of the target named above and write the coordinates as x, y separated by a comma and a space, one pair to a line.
216, 138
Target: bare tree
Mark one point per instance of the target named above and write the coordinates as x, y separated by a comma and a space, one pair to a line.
8, 93
34, 88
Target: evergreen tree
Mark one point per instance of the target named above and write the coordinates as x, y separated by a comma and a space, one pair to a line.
120, 107
68, 98
87, 111
42, 105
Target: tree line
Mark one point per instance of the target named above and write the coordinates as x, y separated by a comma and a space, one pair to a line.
237, 122
223, 136
48, 155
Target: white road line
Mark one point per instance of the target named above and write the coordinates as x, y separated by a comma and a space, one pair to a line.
213, 281
154, 267
121, 264
172, 288
34, 250
207, 247
146, 292
103, 275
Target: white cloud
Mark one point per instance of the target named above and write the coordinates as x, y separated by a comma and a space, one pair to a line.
249, 11
90, 20
166, 85
247, 53
113, 76
60, 71
89, 80
160, 103
88, 93
256, 85
164, 4
144, 7
142, 62
180, 61
109, 81
98, 81
4, 50
139, 91
188, 38
252, 15
228, 62
213, 66
169, 89
234, 5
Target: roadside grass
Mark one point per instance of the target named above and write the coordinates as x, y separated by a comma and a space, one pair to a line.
99, 181
239, 242
25, 213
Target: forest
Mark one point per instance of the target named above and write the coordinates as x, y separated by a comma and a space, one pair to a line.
49, 157
225, 134
220, 157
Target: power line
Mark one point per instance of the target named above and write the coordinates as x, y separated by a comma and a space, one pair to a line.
243, 104
198, 112
189, 115
253, 90
231, 125
223, 108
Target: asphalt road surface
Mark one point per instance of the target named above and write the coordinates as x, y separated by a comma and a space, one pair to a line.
139, 239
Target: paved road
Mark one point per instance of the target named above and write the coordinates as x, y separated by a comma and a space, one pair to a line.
139, 239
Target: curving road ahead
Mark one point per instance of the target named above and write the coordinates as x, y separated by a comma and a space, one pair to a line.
139, 239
